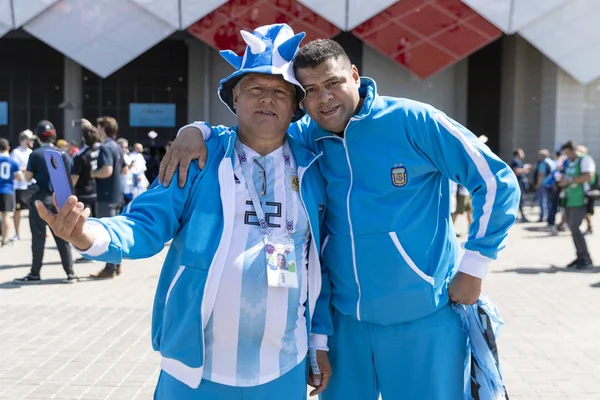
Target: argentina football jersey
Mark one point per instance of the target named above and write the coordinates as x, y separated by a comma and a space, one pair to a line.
257, 332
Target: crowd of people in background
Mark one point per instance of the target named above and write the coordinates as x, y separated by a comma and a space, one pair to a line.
565, 187
106, 174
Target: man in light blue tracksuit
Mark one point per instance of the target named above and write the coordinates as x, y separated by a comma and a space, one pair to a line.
227, 325
391, 250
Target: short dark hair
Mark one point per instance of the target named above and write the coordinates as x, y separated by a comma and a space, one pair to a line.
316, 52
568, 145
110, 126
4, 146
90, 135
517, 152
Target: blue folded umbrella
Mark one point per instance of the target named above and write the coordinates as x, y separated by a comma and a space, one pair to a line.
483, 375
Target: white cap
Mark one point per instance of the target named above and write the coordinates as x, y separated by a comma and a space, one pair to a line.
26, 134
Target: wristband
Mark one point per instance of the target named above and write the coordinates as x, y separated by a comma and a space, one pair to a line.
312, 358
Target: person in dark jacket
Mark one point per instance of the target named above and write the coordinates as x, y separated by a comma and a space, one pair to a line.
37, 169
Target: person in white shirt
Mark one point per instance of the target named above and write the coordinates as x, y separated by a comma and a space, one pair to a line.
22, 192
138, 169
229, 322
126, 174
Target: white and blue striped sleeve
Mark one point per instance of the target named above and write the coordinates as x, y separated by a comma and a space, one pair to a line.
463, 158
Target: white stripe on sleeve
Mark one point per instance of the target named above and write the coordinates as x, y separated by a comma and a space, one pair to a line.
482, 167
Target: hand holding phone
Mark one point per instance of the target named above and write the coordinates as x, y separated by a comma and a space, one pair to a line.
59, 177
69, 223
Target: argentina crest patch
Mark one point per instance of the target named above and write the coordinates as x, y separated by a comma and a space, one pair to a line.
399, 176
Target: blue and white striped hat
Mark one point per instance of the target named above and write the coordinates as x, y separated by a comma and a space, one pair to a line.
270, 51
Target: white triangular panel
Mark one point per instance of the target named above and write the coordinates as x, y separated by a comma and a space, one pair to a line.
6, 24
570, 37
495, 11
528, 11
4, 29
582, 66
25, 10
333, 11
102, 35
5, 14
360, 11
167, 10
513, 15
193, 10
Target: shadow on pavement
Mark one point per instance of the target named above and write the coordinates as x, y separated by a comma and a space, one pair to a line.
549, 236
551, 270
13, 285
51, 281
2, 267
543, 228
597, 284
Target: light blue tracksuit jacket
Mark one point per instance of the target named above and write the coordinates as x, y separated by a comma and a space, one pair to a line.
199, 219
390, 247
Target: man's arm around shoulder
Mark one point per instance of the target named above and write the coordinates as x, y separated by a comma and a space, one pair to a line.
188, 145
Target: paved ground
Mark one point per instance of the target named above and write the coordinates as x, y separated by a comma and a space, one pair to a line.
91, 340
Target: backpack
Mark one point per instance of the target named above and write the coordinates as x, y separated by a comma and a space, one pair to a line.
537, 167
594, 192
534, 175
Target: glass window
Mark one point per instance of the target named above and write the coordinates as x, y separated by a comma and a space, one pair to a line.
31, 82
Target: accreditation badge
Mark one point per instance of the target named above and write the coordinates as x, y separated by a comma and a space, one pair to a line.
282, 270
295, 183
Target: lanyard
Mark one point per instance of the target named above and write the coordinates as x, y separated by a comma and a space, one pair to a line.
262, 222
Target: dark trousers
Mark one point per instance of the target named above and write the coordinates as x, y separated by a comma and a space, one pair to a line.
109, 209
575, 216
91, 203
38, 237
521, 200
543, 200
553, 199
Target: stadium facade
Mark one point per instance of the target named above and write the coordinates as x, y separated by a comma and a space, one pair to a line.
525, 73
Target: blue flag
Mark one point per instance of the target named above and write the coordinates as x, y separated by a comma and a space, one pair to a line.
483, 375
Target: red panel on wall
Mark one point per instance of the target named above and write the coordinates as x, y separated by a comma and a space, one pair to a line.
426, 36
220, 29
